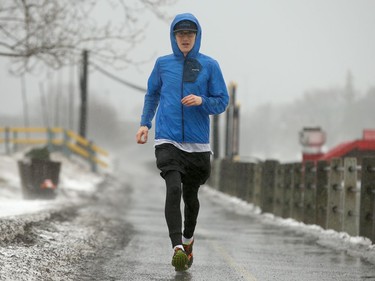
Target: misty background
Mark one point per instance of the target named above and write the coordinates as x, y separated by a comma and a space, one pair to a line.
296, 64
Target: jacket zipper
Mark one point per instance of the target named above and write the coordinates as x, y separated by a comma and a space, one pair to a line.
182, 106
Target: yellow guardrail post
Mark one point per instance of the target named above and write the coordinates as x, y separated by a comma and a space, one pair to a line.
50, 137
15, 145
7, 141
56, 139
66, 140
92, 157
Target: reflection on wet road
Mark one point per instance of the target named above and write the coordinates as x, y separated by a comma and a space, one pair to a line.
228, 246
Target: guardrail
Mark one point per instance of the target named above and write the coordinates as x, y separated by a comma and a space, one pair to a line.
337, 194
56, 139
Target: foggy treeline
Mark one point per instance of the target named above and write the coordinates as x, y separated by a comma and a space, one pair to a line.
272, 131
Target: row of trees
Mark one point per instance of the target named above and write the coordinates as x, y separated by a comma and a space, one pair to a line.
53, 33
44, 35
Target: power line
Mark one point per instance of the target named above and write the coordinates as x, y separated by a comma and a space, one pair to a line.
110, 75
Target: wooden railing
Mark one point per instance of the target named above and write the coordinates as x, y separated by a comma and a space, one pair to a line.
56, 139
337, 194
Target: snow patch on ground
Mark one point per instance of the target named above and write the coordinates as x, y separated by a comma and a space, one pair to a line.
355, 246
76, 179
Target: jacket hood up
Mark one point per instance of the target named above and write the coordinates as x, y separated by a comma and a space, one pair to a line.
195, 50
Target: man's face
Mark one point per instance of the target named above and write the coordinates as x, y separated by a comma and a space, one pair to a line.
185, 41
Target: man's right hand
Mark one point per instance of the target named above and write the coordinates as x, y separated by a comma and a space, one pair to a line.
142, 135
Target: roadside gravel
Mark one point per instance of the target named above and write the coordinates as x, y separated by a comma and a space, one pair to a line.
67, 242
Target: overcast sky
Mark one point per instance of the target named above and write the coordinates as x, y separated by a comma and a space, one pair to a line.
274, 50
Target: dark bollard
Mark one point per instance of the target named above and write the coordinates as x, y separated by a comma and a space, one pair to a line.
335, 211
310, 193
232, 179
224, 176
322, 193
243, 186
279, 191
214, 179
256, 183
298, 193
39, 178
268, 185
351, 197
367, 206
236, 179
288, 190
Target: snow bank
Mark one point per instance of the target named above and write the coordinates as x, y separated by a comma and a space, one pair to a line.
355, 246
75, 179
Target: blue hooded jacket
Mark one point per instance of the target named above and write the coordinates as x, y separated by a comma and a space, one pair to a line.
174, 77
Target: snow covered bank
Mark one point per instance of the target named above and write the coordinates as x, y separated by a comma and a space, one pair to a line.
75, 180
354, 246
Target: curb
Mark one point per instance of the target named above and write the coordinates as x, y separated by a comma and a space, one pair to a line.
11, 227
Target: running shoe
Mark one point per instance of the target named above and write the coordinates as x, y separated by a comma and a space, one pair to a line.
180, 259
189, 252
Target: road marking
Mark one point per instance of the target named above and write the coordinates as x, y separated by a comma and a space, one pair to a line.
229, 260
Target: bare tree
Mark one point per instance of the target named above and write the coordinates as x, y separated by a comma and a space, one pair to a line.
54, 32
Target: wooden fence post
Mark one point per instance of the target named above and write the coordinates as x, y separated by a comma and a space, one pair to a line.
335, 196
250, 182
351, 202
215, 173
257, 185
224, 176
279, 191
310, 193
367, 209
232, 181
268, 185
288, 190
243, 187
322, 193
215, 136
240, 189
298, 192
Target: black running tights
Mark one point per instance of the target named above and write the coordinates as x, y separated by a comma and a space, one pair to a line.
172, 207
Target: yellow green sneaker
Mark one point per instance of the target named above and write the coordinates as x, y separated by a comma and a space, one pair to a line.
179, 259
189, 252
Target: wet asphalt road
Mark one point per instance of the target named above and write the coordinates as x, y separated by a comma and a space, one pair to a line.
228, 246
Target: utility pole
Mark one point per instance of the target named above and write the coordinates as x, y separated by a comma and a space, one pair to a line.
229, 122
232, 125
215, 136
71, 98
83, 84
236, 131
228, 128
25, 104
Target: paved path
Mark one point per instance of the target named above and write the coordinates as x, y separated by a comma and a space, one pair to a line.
228, 246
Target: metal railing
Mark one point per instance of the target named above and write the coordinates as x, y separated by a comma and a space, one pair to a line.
337, 194
56, 139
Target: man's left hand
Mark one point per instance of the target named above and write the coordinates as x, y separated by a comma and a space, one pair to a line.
192, 100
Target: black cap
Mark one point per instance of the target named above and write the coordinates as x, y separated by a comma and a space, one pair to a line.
185, 25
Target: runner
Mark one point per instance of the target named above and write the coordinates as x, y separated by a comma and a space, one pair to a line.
185, 88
